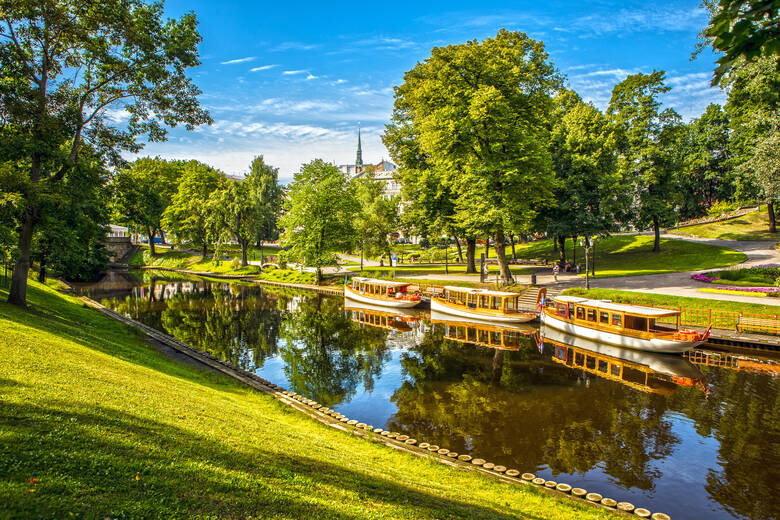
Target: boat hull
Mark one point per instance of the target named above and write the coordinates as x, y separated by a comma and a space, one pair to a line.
667, 346
364, 298
456, 311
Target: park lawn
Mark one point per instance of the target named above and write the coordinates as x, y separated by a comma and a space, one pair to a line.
663, 300
109, 427
632, 255
753, 226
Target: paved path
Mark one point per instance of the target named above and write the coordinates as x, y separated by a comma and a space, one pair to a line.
675, 284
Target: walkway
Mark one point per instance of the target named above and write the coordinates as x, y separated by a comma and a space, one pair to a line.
674, 284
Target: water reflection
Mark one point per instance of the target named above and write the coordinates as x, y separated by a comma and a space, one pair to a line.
635, 426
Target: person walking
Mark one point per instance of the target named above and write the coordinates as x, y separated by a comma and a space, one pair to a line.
556, 270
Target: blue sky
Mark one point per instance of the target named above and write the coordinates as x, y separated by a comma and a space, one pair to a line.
291, 81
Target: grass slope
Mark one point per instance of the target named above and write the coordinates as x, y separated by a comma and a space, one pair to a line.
109, 427
632, 255
753, 226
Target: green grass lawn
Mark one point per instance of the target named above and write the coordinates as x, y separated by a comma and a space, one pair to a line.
753, 226
632, 255
108, 427
638, 298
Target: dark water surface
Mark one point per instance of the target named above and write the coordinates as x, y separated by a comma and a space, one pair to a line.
671, 434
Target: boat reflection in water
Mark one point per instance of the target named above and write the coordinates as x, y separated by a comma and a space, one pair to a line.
406, 326
484, 333
645, 371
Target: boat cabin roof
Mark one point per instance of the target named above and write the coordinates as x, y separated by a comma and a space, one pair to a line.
484, 292
387, 283
639, 310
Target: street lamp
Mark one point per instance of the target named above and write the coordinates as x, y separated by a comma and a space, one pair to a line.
586, 244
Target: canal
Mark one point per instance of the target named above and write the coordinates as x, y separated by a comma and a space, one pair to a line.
673, 434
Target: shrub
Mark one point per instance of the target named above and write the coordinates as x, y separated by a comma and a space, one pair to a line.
235, 264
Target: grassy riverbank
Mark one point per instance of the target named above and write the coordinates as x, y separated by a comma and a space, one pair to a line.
108, 427
639, 298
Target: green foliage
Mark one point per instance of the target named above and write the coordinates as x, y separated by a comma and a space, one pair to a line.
319, 214
649, 158
376, 218
188, 217
62, 64
267, 196
743, 30
480, 112
590, 198
142, 192
234, 215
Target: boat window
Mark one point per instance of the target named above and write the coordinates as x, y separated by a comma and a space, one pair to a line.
615, 369
634, 376
604, 317
590, 362
579, 359
591, 314
560, 352
636, 323
495, 303
483, 336
580, 313
562, 310
569, 356
603, 365
617, 319
510, 304
495, 338
472, 334
511, 338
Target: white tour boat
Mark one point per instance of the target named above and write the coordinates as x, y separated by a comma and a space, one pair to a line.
629, 326
482, 304
381, 292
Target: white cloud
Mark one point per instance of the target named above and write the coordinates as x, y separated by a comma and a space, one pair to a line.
238, 60
295, 46
293, 72
311, 76
264, 67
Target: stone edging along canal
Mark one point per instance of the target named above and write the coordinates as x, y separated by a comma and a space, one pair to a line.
391, 439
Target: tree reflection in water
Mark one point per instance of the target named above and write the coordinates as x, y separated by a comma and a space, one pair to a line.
518, 408
326, 354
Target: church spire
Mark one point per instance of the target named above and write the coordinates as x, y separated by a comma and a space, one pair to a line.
359, 158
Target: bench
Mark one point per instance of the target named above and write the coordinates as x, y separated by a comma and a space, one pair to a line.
760, 325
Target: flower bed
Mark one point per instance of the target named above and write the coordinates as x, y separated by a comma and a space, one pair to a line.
751, 279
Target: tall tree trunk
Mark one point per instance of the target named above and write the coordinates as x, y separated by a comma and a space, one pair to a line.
574, 250
562, 250
361, 257
471, 253
460, 251
487, 248
523, 238
503, 268
512, 241
262, 258
770, 210
555, 243
657, 232
205, 250
42, 271
244, 247
17, 294
151, 235
319, 275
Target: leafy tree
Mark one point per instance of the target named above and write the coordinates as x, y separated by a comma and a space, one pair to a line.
481, 111
753, 105
646, 148
142, 193
706, 176
267, 196
236, 213
318, 215
589, 195
188, 217
377, 216
63, 63
742, 30
70, 237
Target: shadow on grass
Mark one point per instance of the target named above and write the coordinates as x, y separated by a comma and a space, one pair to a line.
86, 460
51, 313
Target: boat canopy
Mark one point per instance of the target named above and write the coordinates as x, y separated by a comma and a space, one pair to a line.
637, 310
386, 283
483, 292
